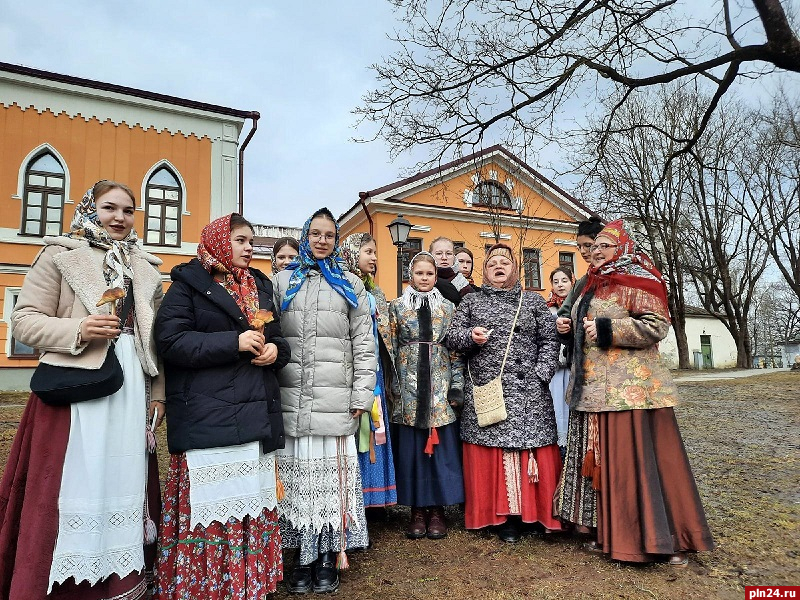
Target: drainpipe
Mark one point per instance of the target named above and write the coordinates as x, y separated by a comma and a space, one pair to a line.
361, 197
255, 116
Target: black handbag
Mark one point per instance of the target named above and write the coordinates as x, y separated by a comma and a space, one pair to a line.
61, 386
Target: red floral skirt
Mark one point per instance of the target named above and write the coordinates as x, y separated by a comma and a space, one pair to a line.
495, 488
240, 560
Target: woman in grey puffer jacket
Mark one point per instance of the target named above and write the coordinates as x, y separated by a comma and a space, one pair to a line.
325, 388
511, 468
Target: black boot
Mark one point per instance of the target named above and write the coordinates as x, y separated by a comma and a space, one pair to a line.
511, 530
301, 581
326, 575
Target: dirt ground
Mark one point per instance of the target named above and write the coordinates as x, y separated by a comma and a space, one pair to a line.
743, 439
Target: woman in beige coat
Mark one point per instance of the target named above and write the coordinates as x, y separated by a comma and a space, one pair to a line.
76, 520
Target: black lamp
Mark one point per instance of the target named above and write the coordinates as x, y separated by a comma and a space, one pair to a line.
399, 229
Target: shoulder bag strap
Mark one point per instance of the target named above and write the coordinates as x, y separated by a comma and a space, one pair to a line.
511, 334
508, 345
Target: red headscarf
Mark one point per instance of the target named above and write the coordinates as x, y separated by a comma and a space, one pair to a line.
628, 267
214, 253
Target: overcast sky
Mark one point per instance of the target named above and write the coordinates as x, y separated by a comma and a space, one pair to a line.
303, 65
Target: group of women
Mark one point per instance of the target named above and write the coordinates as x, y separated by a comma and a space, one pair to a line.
298, 402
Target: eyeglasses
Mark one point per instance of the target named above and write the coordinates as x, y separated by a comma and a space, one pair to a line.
443, 253
315, 236
602, 247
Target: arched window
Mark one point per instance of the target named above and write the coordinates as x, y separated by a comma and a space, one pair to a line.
163, 204
43, 198
489, 193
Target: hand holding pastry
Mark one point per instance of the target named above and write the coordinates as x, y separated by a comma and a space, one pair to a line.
262, 317
99, 327
111, 295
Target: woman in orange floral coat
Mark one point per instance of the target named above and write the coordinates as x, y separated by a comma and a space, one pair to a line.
648, 506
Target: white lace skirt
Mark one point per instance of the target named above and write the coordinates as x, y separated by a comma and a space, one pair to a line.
324, 504
101, 498
231, 482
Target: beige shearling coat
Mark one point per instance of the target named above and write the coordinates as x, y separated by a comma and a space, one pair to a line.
62, 288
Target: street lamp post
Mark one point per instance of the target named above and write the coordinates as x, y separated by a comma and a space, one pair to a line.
399, 229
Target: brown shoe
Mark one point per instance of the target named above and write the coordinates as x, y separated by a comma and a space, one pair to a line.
417, 527
437, 528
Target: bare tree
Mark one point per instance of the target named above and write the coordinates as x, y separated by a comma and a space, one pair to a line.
624, 184
721, 251
771, 173
475, 65
775, 318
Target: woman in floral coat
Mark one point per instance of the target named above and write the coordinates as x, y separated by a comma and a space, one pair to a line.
427, 388
511, 468
648, 506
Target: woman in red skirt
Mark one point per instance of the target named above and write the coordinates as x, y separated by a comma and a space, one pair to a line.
221, 345
511, 467
79, 497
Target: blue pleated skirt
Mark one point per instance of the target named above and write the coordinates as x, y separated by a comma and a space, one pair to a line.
428, 480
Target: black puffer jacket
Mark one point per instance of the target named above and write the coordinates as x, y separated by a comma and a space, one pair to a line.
215, 396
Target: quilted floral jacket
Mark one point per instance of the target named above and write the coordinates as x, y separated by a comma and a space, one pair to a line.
420, 394
623, 369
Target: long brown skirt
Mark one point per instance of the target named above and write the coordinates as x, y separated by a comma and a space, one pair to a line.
648, 504
29, 514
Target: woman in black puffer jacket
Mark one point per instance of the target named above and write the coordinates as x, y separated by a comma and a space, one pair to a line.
224, 420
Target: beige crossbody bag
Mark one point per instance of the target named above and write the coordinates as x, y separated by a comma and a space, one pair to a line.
490, 406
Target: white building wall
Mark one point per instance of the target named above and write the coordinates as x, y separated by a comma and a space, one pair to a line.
723, 346
790, 353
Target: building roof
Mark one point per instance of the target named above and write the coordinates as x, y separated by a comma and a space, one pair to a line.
265, 236
121, 89
697, 311
476, 157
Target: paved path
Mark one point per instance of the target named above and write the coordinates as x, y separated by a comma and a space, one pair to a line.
713, 375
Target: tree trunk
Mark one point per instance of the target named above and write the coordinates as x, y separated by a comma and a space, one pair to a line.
744, 360
679, 325
677, 308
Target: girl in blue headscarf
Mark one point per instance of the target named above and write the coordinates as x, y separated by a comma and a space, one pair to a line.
327, 385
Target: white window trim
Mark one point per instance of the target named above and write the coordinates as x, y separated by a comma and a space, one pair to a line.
541, 268
164, 163
8, 302
41, 149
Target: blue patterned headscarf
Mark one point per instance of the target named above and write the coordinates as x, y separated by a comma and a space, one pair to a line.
330, 266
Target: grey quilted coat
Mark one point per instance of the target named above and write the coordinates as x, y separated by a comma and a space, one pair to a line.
532, 361
333, 364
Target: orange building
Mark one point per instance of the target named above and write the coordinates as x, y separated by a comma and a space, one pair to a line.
488, 196
60, 134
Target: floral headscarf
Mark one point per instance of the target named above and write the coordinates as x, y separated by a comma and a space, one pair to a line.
215, 254
412, 298
502, 250
329, 266
86, 226
351, 251
629, 266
